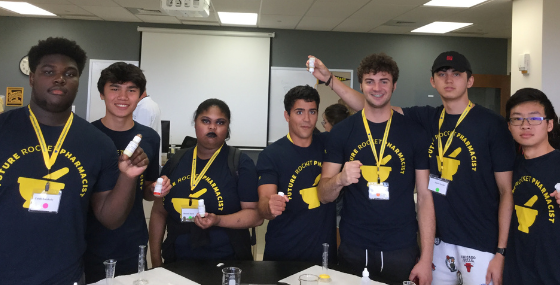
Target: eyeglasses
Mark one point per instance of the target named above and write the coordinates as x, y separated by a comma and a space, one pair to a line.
518, 121
323, 123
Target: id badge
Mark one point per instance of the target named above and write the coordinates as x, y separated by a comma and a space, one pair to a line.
378, 191
45, 203
438, 184
188, 214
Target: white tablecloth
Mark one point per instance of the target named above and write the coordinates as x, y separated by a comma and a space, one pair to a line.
337, 277
156, 276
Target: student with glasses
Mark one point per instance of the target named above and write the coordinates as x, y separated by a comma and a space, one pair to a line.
532, 250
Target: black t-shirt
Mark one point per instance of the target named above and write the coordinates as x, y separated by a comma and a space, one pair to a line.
533, 253
468, 214
46, 248
380, 224
222, 194
123, 242
298, 234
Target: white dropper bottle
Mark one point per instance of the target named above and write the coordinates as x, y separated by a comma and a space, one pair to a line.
132, 145
365, 274
281, 194
157, 189
201, 208
312, 64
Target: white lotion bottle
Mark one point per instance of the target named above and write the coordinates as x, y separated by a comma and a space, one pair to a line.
201, 208
157, 189
132, 145
312, 64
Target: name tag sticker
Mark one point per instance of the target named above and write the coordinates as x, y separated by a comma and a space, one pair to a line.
438, 185
45, 203
378, 191
188, 214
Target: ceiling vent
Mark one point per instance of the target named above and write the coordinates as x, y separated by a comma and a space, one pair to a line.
396, 23
186, 8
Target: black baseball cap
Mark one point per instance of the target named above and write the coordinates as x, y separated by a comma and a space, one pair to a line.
453, 60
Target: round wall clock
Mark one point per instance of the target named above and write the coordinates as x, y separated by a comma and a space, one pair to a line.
24, 65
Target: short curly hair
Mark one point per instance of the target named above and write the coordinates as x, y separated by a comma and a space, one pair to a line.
121, 72
378, 63
304, 92
57, 46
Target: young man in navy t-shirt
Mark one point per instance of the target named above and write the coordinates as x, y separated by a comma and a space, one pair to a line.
56, 165
380, 156
473, 211
120, 86
299, 223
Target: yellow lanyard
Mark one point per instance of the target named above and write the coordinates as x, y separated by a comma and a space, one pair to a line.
49, 161
290, 138
441, 151
383, 143
195, 181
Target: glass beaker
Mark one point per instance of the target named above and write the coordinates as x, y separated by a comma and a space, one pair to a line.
308, 279
232, 276
110, 265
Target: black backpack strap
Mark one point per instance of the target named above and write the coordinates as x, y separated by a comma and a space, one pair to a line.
233, 164
173, 162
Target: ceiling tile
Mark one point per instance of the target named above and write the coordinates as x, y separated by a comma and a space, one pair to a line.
318, 23
58, 2
238, 6
112, 13
336, 9
391, 30
61, 10
428, 14
159, 19
88, 18
286, 7
104, 3
146, 4
371, 16
278, 21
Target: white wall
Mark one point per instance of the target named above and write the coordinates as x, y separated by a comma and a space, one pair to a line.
527, 37
551, 52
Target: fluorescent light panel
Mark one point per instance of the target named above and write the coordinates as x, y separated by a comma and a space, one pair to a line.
454, 3
441, 27
248, 19
24, 8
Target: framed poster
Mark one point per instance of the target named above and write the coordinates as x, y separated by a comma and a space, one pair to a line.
14, 96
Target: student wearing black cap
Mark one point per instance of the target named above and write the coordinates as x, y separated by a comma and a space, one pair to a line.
471, 163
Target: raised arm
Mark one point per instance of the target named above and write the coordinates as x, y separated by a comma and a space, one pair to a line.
427, 228
111, 207
332, 179
157, 231
353, 98
496, 266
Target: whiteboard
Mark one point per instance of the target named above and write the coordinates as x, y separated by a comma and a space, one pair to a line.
96, 106
282, 79
186, 67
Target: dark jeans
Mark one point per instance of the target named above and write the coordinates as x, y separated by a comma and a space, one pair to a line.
392, 267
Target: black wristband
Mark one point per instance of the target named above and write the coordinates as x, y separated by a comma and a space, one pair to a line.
501, 251
329, 81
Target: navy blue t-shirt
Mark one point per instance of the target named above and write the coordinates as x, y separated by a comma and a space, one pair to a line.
46, 248
532, 250
298, 234
222, 194
123, 242
468, 214
380, 224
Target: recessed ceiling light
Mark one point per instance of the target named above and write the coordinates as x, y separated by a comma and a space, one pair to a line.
440, 27
454, 3
248, 19
24, 8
